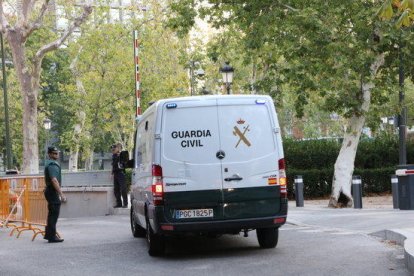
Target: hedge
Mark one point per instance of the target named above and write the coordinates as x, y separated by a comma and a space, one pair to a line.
380, 152
317, 183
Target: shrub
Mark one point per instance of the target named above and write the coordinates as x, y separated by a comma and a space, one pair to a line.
311, 154
376, 180
317, 183
380, 152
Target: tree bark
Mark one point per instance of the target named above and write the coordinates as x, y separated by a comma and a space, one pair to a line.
29, 99
344, 166
73, 159
81, 117
74, 149
89, 159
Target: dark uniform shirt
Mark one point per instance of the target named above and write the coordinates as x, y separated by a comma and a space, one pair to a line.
52, 169
117, 165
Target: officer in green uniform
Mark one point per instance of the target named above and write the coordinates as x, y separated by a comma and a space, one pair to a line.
53, 194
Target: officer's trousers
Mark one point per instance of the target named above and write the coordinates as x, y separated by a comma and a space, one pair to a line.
120, 189
52, 218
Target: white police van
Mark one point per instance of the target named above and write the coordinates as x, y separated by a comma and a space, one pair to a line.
208, 165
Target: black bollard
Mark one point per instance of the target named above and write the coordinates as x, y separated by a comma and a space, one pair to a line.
357, 191
394, 189
299, 191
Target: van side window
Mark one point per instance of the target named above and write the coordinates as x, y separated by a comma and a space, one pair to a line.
144, 142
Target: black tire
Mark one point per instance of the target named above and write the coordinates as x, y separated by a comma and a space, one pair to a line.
156, 242
267, 237
136, 229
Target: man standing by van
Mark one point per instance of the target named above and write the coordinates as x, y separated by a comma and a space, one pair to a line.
53, 194
118, 173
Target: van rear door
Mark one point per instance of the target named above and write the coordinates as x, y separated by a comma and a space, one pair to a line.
250, 166
191, 170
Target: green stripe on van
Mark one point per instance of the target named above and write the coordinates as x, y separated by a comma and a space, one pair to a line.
251, 202
227, 204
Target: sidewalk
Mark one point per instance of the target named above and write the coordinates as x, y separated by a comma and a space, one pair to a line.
377, 218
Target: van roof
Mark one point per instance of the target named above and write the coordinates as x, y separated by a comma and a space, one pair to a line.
209, 97
161, 102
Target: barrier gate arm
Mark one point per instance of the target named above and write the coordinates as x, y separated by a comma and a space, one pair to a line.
404, 172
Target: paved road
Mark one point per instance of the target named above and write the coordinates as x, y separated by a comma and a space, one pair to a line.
104, 246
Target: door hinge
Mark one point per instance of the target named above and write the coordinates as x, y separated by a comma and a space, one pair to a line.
276, 130
157, 136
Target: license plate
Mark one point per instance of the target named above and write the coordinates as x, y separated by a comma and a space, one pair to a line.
194, 213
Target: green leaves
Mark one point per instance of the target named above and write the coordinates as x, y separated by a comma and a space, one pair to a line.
404, 20
403, 11
386, 10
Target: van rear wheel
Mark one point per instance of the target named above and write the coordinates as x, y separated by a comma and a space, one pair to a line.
136, 229
267, 237
156, 242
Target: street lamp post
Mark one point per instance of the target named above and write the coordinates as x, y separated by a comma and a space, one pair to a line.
402, 118
193, 73
47, 124
6, 108
227, 73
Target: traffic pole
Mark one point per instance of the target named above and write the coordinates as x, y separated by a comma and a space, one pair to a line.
357, 191
394, 189
299, 191
138, 110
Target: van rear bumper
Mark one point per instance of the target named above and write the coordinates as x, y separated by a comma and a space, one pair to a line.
223, 225
160, 225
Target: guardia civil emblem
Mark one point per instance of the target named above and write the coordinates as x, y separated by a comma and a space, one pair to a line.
240, 131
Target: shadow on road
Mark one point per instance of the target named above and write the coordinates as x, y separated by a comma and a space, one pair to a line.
201, 247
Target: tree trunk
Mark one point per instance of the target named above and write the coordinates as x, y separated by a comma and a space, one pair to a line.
81, 117
344, 165
29, 99
89, 160
73, 159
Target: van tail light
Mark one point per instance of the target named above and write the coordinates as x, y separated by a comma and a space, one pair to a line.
157, 185
282, 178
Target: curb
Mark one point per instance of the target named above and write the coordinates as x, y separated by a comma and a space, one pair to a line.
119, 211
404, 238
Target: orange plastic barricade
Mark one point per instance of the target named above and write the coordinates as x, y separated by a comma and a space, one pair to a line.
7, 201
29, 207
4, 201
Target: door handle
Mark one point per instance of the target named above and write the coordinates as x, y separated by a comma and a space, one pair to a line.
234, 178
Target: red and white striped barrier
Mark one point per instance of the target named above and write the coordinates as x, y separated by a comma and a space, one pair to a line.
137, 75
404, 172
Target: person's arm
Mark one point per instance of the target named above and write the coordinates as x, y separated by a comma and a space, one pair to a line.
56, 185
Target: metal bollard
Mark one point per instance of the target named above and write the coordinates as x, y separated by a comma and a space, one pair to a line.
299, 190
357, 191
394, 189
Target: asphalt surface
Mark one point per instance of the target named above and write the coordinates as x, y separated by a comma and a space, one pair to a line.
105, 246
